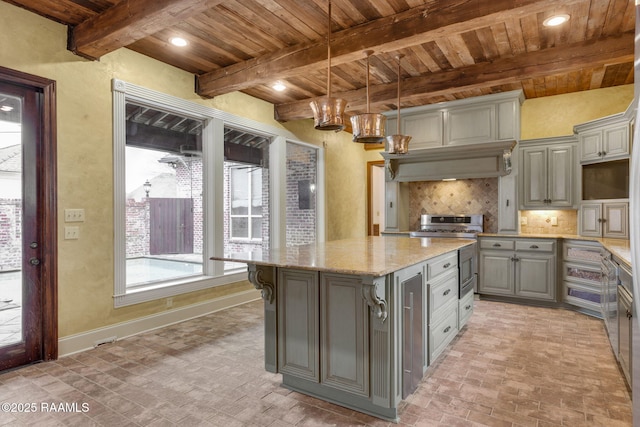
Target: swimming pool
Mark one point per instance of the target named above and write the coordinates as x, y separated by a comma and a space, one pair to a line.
145, 270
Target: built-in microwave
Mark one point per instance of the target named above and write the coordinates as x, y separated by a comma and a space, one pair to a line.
606, 180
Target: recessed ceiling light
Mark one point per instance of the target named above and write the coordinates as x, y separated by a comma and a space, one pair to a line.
555, 20
6, 108
279, 86
178, 41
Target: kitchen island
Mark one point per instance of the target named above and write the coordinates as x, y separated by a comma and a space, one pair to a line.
352, 321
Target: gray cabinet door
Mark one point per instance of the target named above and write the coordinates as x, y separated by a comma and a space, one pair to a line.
496, 272
345, 334
560, 184
298, 323
534, 168
535, 276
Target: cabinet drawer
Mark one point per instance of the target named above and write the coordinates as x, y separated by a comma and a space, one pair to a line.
442, 264
440, 296
582, 252
465, 309
497, 244
591, 275
535, 245
441, 334
583, 296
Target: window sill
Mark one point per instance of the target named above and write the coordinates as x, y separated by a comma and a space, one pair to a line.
169, 289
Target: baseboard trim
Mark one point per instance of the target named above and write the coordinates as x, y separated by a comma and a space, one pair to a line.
87, 340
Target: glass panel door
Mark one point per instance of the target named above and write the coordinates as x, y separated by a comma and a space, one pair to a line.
10, 220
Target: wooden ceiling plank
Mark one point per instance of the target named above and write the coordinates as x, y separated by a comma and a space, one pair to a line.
129, 21
437, 19
66, 12
534, 65
516, 38
501, 38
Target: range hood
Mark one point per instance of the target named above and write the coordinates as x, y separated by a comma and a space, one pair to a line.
479, 160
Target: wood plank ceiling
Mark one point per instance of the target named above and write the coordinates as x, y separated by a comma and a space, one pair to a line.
452, 49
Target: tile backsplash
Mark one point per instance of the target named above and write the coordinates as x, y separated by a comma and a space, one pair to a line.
540, 222
464, 196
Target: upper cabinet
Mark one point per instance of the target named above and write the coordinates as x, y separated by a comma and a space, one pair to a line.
605, 139
547, 173
470, 138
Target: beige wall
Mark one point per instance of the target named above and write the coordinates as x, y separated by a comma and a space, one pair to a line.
38, 46
557, 115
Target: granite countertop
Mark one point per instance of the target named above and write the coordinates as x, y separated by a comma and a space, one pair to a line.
620, 248
371, 256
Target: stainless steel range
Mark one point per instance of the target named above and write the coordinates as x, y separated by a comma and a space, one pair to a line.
462, 227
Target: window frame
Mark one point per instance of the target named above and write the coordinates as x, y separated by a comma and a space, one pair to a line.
213, 160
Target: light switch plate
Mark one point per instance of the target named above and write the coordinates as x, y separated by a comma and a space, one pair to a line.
74, 215
71, 233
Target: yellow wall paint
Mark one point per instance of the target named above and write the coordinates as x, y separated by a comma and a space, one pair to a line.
557, 115
84, 100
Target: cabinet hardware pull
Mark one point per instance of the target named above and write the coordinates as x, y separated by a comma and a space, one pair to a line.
599, 153
629, 315
599, 219
507, 202
604, 219
445, 293
447, 265
604, 153
447, 329
497, 245
534, 247
467, 307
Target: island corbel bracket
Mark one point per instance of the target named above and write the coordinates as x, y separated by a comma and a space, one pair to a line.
373, 294
265, 288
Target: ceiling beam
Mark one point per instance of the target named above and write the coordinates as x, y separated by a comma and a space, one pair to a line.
409, 28
556, 60
129, 21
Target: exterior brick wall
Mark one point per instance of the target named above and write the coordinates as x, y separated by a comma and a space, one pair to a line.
10, 234
301, 223
137, 228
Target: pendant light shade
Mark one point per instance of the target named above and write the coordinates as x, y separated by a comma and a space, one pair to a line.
368, 127
398, 144
328, 112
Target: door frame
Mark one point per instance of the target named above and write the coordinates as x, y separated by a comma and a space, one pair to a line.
47, 199
370, 166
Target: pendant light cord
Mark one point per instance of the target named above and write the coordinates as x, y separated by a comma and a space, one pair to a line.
329, 52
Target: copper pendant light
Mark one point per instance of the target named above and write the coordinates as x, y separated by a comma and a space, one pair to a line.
368, 127
327, 111
398, 144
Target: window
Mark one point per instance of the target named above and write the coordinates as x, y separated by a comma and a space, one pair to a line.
191, 182
245, 202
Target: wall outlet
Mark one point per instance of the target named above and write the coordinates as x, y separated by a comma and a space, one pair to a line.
523, 220
74, 215
554, 220
169, 302
71, 233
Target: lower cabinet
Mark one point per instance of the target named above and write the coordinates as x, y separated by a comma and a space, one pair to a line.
344, 334
442, 295
582, 275
524, 268
298, 324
